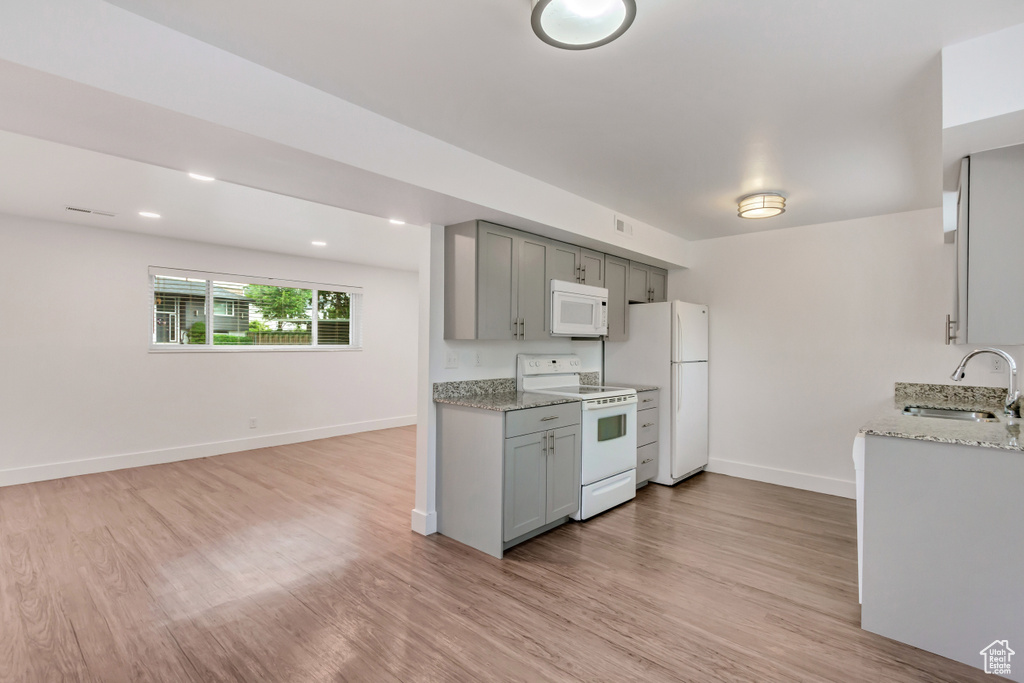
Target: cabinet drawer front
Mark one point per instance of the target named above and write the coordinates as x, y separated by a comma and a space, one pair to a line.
646, 426
647, 399
647, 462
532, 420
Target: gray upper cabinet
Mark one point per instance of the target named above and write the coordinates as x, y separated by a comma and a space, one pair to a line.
616, 279
639, 289
647, 284
532, 289
497, 292
990, 243
592, 268
565, 262
659, 284
497, 282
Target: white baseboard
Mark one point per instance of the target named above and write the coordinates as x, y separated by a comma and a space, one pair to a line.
424, 522
796, 480
73, 468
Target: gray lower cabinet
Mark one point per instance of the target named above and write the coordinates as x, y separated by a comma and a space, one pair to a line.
505, 477
542, 479
647, 427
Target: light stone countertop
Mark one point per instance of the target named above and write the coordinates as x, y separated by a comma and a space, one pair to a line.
638, 387
501, 395
941, 430
504, 401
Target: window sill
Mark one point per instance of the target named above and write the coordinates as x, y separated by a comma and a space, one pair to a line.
187, 348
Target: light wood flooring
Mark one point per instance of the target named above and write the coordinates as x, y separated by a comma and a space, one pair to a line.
297, 564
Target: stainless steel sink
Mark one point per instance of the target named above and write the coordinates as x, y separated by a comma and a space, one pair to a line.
949, 414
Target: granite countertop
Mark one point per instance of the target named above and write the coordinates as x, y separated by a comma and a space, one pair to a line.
493, 394
637, 387
505, 401
501, 395
941, 430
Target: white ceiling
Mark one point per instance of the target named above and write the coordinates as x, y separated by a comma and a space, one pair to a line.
39, 178
836, 104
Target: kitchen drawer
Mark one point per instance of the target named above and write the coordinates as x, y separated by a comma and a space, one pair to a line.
646, 462
646, 426
647, 399
530, 420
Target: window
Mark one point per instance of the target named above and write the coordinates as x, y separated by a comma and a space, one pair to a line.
223, 307
250, 312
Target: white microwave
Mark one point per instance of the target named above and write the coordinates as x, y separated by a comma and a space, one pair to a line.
578, 310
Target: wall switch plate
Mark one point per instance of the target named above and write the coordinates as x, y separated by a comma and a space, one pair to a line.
998, 364
451, 360
252, 423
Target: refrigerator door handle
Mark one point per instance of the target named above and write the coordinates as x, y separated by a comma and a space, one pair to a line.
677, 336
678, 381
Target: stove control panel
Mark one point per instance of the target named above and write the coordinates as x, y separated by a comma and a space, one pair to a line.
543, 364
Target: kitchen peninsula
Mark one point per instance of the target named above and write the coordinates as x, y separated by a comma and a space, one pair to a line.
944, 526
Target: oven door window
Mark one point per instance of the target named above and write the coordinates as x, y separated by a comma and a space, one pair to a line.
611, 427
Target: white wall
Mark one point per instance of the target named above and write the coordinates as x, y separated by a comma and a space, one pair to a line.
810, 329
83, 393
983, 78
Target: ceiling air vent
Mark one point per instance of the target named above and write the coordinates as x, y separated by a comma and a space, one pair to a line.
79, 209
623, 228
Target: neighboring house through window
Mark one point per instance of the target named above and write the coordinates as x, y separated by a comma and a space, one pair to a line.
250, 312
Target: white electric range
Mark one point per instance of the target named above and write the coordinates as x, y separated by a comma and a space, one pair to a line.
607, 425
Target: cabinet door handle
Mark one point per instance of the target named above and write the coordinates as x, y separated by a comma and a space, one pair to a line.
522, 321
649, 424
515, 328
644, 462
647, 400
950, 326
549, 417
583, 273
551, 449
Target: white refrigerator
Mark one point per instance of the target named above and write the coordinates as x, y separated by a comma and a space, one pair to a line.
668, 348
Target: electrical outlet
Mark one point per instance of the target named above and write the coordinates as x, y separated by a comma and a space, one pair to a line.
998, 364
252, 423
479, 359
451, 360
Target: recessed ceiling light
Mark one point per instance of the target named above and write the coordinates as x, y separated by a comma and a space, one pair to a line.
762, 205
395, 221
319, 244
149, 214
581, 24
204, 178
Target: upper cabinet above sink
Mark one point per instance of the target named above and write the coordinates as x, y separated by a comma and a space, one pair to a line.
990, 249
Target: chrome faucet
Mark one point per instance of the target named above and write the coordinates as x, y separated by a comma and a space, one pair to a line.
1012, 393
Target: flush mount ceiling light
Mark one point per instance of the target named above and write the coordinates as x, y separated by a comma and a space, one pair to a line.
204, 178
149, 214
319, 244
762, 205
581, 24
395, 221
